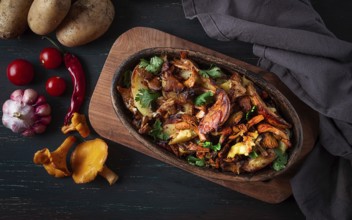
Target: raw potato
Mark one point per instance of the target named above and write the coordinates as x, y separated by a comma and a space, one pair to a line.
45, 16
86, 21
13, 17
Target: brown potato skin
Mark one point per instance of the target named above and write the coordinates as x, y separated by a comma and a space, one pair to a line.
13, 17
86, 21
45, 16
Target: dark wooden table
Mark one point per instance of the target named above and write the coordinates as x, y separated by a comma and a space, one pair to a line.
148, 188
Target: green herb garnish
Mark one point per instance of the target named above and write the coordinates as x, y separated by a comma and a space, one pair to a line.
281, 160
195, 161
253, 155
204, 99
251, 112
210, 145
146, 97
213, 72
153, 65
157, 131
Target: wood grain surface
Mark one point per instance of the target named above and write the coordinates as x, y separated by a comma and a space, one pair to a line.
106, 123
147, 188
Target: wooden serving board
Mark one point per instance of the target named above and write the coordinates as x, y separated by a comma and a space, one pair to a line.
105, 122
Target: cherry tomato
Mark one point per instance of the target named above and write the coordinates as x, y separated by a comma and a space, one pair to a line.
55, 86
20, 72
50, 58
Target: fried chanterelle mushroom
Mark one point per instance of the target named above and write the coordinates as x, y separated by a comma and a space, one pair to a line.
88, 160
55, 162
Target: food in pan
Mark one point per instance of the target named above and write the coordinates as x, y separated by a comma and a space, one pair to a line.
209, 116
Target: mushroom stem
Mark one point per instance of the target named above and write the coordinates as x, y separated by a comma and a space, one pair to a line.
109, 175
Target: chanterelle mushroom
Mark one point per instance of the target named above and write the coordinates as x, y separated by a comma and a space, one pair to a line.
78, 123
88, 160
55, 162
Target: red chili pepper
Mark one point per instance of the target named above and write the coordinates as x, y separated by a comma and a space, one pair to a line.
74, 66
79, 84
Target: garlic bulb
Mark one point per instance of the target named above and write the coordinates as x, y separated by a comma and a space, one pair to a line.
26, 112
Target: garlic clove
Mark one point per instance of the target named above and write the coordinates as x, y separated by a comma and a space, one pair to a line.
43, 110
29, 96
28, 132
17, 95
5, 107
45, 120
40, 100
39, 128
15, 124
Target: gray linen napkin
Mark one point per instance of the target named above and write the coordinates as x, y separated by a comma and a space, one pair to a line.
292, 41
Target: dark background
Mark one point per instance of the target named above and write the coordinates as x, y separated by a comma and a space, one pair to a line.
147, 188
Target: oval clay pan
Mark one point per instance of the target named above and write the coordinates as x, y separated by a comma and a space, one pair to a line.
284, 106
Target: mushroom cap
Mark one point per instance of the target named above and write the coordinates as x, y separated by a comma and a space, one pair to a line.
55, 162
88, 159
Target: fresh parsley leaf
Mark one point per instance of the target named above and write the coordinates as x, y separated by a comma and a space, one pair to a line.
210, 145
213, 72
156, 61
195, 161
251, 112
157, 131
253, 155
143, 63
281, 160
206, 144
152, 66
204, 99
216, 147
126, 79
146, 97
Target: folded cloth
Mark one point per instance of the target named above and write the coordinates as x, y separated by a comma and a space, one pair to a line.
292, 41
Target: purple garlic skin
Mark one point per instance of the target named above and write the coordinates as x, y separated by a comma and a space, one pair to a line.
26, 112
